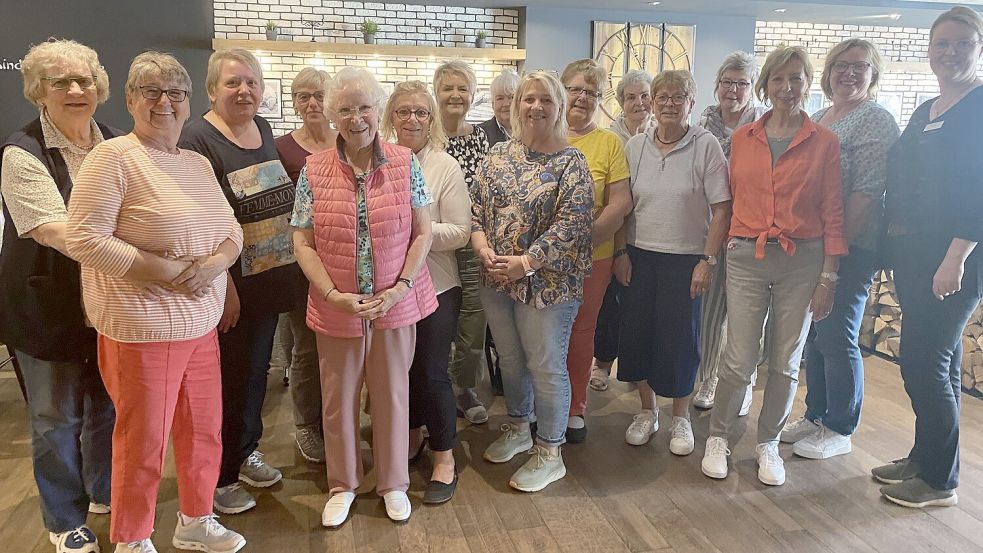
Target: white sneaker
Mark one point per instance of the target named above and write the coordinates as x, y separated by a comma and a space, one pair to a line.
771, 468
541, 470
206, 534
99, 508
715, 458
336, 510
642, 426
681, 442
797, 429
79, 540
142, 546
512, 442
705, 395
823, 444
748, 398
397, 506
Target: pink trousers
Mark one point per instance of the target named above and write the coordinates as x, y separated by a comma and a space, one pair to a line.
580, 354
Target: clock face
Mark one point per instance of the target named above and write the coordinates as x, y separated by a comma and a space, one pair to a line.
621, 47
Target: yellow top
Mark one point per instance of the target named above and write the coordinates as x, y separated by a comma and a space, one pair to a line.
606, 159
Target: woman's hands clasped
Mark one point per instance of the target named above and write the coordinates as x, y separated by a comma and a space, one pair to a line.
502, 268
368, 306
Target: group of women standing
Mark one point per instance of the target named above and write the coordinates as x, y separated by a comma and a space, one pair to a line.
400, 229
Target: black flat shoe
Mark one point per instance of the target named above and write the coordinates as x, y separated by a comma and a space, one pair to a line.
576, 435
438, 492
419, 453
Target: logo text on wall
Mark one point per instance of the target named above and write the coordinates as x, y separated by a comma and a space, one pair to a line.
10, 65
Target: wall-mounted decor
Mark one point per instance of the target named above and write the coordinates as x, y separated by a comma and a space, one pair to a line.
891, 102
923, 97
815, 102
619, 47
272, 105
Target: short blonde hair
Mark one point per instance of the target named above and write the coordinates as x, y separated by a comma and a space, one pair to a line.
960, 14
557, 93
876, 64
679, 78
778, 58
42, 58
240, 55
310, 77
455, 67
388, 125
593, 73
353, 78
152, 64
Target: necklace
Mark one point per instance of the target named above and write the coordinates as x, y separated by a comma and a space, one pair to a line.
659, 138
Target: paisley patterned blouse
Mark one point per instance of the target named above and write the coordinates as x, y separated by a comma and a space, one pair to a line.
535, 204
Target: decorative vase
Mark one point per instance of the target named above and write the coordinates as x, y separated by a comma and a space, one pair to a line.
271, 35
479, 42
368, 38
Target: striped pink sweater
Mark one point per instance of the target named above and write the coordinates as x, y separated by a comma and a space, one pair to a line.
128, 197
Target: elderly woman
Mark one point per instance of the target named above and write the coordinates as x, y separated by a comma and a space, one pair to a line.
735, 107
786, 237
531, 228
634, 98
499, 127
41, 321
362, 233
866, 131
411, 117
454, 85
605, 155
154, 237
314, 135
933, 226
666, 254
239, 145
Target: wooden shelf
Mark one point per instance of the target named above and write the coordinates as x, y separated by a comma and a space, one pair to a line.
347, 48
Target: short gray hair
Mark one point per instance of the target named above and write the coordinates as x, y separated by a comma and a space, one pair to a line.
240, 55
149, 65
357, 79
42, 58
310, 77
505, 83
635, 76
738, 61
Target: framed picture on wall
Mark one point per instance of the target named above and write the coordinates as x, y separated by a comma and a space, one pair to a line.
815, 102
272, 105
923, 97
891, 102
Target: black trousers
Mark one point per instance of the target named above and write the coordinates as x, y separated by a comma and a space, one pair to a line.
431, 396
246, 350
608, 333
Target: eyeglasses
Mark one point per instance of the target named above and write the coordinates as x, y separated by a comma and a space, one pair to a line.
350, 113
728, 84
677, 100
64, 82
961, 46
154, 93
404, 114
305, 97
855, 67
576, 91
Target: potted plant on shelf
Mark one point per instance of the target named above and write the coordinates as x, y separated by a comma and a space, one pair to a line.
369, 29
479, 39
271, 30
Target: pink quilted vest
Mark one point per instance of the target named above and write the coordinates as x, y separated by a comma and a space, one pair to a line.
387, 197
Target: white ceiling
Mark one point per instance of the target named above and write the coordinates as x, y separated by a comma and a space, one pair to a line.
913, 13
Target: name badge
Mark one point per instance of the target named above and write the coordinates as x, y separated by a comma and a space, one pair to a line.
933, 126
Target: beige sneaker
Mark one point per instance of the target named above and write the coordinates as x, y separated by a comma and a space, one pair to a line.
541, 470
206, 534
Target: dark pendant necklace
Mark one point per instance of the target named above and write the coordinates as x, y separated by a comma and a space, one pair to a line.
659, 138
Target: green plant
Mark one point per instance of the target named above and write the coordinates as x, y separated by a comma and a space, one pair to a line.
369, 27
271, 25
481, 34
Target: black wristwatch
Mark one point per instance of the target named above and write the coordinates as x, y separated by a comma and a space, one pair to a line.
621, 252
408, 281
710, 259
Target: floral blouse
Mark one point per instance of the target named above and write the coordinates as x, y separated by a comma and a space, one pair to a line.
535, 204
469, 150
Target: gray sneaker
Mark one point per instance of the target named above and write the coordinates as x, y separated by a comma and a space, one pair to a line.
255, 472
511, 442
541, 470
895, 472
471, 408
232, 499
310, 442
206, 534
915, 493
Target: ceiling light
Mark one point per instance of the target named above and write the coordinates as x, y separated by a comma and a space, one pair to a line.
894, 16
780, 10
654, 3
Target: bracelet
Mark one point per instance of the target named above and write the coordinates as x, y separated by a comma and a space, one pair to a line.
526, 267
621, 252
824, 285
328, 293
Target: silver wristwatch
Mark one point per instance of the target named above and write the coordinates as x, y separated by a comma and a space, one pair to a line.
830, 276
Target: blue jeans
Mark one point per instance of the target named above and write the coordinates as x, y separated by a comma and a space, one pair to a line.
835, 370
72, 422
532, 347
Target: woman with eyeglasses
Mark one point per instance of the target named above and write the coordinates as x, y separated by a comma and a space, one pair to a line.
672, 240
155, 237
454, 85
786, 238
612, 202
412, 118
866, 131
42, 322
933, 225
735, 107
314, 135
362, 232
239, 144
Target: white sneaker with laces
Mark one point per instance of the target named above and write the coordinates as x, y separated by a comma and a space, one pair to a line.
542, 469
771, 468
797, 429
823, 444
514, 440
336, 510
99, 508
205, 534
681, 432
142, 546
715, 458
746, 404
705, 395
79, 540
642, 426
397, 505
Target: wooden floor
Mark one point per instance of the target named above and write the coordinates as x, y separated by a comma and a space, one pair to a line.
615, 497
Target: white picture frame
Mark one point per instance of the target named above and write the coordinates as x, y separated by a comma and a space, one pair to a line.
891, 101
271, 106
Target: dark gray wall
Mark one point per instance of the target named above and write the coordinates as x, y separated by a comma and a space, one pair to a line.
118, 30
